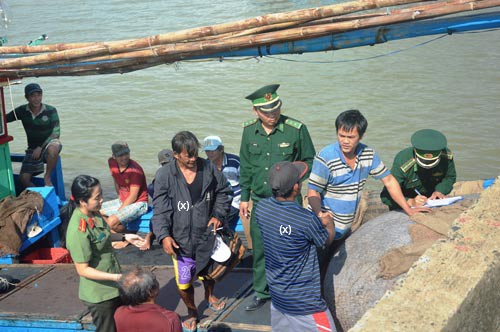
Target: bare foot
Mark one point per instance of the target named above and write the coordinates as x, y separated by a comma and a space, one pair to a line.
147, 243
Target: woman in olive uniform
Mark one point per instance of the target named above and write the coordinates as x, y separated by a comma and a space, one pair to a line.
89, 241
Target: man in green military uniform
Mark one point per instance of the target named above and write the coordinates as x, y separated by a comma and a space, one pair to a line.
424, 171
268, 139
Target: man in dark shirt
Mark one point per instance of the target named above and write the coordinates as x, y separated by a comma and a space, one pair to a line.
41, 124
290, 234
191, 199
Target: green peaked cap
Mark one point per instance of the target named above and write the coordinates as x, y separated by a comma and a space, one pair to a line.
265, 99
428, 140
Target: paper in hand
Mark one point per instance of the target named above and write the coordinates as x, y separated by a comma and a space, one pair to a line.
442, 202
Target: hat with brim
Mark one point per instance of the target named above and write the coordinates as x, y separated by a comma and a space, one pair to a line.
119, 149
32, 88
211, 143
266, 99
285, 174
220, 251
165, 156
428, 144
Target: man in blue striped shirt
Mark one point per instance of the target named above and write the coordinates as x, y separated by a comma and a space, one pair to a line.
291, 234
229, 164
339, 174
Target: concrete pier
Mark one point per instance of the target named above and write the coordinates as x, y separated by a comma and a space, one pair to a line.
455, 285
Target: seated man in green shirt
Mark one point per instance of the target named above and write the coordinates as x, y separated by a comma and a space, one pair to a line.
41, 124
424, 171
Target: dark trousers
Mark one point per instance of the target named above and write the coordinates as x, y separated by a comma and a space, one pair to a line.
232, 218
103, 314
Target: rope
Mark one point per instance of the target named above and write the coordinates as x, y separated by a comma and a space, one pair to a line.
362, 59
5, 284
11, 99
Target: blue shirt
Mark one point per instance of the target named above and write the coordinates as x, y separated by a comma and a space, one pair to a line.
340, 186
231, 170
290, 235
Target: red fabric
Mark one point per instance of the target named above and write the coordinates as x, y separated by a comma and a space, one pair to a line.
132, 175
146, 317
322, 322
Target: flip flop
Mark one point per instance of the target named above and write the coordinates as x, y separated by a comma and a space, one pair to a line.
219, 303
189, 327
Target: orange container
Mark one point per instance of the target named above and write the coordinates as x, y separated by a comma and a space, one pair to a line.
47, 256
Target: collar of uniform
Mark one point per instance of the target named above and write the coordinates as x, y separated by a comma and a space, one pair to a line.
279, 126
98, 221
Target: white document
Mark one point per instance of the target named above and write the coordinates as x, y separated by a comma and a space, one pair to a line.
442, 202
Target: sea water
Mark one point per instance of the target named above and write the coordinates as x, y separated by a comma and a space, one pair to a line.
450, 84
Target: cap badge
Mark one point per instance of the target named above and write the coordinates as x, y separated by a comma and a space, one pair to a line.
268, 96
428, 155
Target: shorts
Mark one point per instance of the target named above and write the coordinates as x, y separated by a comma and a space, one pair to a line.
185, 270
317, 322
36, 166
125, 214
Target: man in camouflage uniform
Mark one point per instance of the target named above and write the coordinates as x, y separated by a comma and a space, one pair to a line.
424, 171
268, 139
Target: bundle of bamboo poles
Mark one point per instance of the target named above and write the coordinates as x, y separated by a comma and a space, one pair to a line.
129, 55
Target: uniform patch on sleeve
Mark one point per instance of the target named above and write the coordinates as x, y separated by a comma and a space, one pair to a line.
408, 165
294, 123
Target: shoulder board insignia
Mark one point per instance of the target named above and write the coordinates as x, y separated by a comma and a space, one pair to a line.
408, 165
293, 123
83, 225
447, 154
249, 123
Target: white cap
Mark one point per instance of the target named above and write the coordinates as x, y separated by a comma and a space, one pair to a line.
211, 143
220, 252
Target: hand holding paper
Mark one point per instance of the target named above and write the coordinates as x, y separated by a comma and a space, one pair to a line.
443, 201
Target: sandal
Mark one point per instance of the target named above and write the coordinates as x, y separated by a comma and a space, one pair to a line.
190, 325
217, 306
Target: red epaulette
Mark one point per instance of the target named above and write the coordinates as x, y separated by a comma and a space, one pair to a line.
91, 222
83, 225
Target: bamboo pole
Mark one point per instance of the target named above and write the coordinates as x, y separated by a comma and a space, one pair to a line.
189, 49
214, 30
171, 53
96, 49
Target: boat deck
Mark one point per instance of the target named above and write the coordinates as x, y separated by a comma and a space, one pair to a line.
46, 297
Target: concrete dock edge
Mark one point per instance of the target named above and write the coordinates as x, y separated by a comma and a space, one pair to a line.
455, 285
